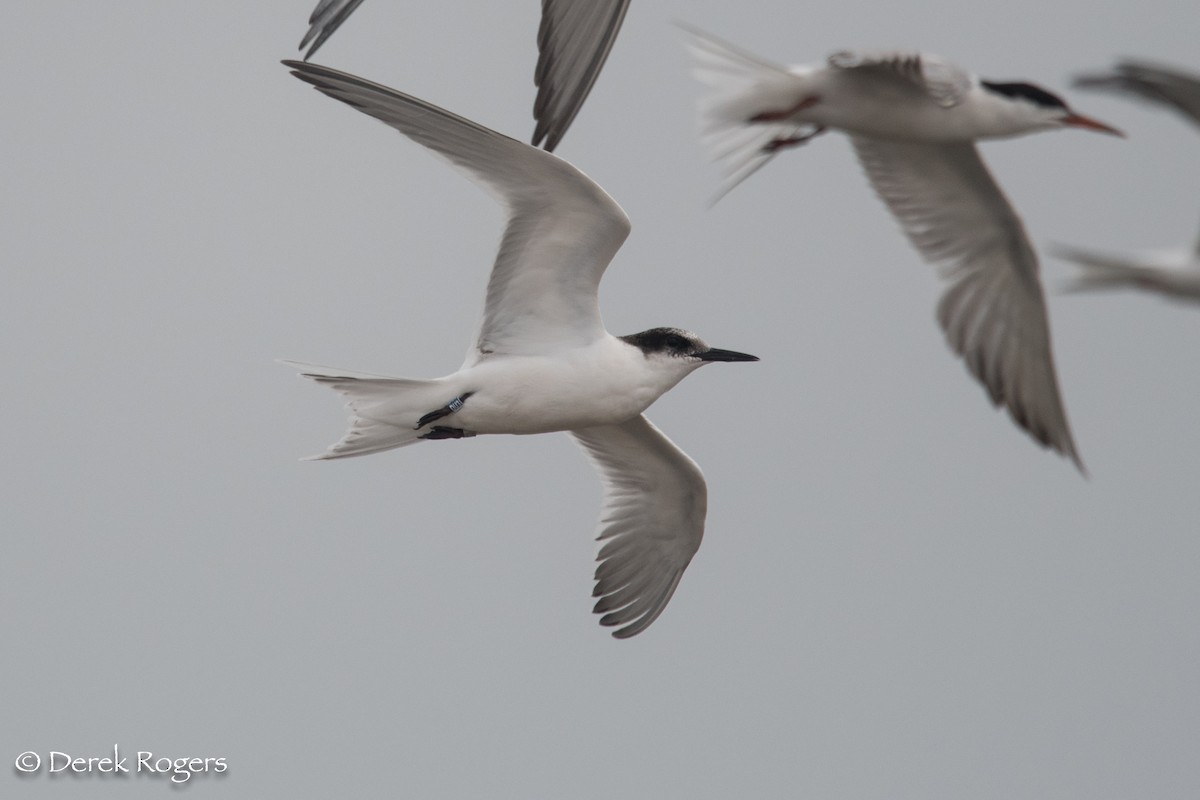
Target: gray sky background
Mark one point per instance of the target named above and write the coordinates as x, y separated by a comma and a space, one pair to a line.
898, 596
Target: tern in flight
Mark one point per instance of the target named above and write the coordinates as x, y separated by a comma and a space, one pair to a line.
1173, 273
913, 120
542, 360
574, 40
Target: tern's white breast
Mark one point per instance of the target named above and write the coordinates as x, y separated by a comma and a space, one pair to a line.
605, 383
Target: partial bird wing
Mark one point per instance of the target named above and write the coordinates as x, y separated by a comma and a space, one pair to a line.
326, 18
573, 43
944, 83
994, 311
1159, 84
562, 230
574, 40
1154, 83
655, 500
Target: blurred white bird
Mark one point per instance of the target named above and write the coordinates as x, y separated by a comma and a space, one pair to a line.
574, 40
913, 120
1151, 82
542, 360
1173, 273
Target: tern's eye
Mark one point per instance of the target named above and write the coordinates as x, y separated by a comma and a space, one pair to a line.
678, 342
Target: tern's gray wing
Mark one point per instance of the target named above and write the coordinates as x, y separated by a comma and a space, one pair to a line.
573, 43
994, 311
655, 501
562, 230
325, 19
943, 82
1156, 83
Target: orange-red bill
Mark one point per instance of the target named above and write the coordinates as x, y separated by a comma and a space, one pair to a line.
1080, 121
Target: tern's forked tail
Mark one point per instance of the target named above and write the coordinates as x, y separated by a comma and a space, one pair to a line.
386, 412
742, 87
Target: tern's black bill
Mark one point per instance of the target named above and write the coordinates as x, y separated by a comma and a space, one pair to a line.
716, 354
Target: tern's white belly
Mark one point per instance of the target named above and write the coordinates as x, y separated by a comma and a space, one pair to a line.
567, 391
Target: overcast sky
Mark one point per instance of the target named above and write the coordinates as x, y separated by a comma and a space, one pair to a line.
898, 595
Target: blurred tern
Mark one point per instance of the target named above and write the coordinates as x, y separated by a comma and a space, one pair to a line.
542, 360
913, 120
1151, 82
574, 40
1172, 273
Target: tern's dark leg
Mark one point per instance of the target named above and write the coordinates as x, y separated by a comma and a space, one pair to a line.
444, 411
443, 432
775, 145
784, 114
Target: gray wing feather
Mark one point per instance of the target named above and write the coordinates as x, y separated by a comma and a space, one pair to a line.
1152, 82
562, 232
655, 501
993, 312
574, 40
326, 18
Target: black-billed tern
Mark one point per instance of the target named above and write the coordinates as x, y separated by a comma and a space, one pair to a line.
913, 120
574, 39
542, 360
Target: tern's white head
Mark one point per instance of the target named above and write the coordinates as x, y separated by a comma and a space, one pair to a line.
1024, 108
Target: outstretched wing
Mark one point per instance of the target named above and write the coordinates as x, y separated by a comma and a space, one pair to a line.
1158, 84
655, 501
562, 230
326, 18
573, 43
993, 312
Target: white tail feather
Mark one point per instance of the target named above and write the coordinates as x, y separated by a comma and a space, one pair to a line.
384, 410
743, 85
